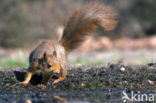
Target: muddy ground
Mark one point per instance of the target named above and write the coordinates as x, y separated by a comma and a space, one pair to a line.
107, 78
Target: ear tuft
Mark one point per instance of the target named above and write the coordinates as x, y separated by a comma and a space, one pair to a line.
55, 54
45, 56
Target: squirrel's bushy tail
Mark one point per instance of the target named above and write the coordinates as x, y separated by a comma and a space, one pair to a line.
85, 20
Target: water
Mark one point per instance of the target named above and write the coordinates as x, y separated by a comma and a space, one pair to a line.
64, 97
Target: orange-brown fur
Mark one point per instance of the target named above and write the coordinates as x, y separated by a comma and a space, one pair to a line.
48, 57
51, 56
83, 21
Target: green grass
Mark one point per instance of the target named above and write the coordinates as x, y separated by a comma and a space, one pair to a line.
24, 63
10, 63
143, 60
13, 63
80, 62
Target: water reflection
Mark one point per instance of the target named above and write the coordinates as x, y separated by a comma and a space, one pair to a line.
64, 97
28, 101
55, 99
62, 100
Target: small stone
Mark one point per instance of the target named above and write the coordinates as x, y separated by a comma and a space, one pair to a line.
122, 69
82, 84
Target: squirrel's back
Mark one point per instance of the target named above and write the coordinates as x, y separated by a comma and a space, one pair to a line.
84, 20
49, 47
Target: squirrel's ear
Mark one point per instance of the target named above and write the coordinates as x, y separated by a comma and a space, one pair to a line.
55, 54
45, 56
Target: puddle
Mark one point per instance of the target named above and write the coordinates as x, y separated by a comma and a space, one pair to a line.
78, 97
64, 97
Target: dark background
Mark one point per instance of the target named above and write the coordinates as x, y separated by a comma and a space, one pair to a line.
23, 22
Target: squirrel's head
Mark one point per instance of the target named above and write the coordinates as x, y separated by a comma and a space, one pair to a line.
49, 62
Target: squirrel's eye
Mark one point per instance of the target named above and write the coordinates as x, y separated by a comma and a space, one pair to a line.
49, 66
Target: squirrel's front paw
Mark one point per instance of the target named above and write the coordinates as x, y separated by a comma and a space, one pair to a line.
24, 82
58, 80
55, 81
